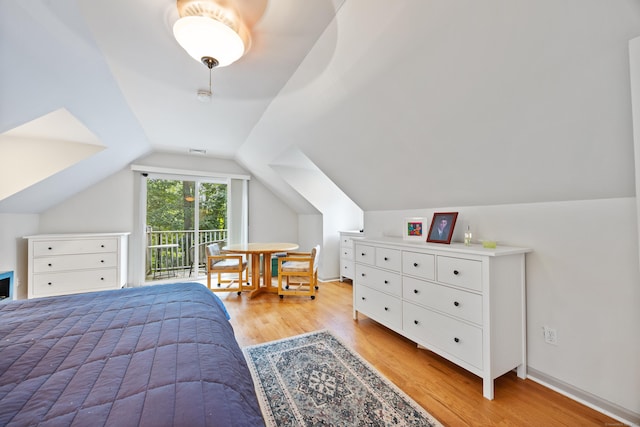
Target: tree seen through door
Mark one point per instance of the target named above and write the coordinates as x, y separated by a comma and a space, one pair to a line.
174, 226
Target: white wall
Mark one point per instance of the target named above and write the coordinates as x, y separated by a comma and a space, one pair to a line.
583, 278
337, 211
634, 66
104, 207
110, 204
269, 219
311, 232
13, 248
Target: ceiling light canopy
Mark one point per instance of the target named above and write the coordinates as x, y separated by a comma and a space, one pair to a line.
211, 32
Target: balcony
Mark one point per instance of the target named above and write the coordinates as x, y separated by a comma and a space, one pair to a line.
172, 253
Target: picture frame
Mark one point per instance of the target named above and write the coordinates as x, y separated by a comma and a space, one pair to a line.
442, 227
413, 229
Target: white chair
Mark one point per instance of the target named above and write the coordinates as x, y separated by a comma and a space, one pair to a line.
300, 272
220, 263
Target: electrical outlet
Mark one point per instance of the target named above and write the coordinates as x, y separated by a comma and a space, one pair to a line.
550, 335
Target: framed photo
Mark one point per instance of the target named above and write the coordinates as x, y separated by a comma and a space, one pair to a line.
413, 229
442, 226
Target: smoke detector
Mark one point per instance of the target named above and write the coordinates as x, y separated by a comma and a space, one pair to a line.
204, 95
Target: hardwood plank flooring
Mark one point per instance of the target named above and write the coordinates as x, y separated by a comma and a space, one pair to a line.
448, 392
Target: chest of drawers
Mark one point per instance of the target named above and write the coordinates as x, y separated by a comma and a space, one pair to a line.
347, 248
60, 264
466, 304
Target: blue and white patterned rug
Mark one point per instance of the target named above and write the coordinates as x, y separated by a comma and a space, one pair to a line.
314, 379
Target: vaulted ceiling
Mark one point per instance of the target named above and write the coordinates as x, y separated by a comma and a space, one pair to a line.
428, 102
115, 66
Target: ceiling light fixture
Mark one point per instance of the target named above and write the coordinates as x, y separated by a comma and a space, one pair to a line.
211, 32
204, 95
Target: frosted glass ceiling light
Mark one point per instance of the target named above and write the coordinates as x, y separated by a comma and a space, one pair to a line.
211, 33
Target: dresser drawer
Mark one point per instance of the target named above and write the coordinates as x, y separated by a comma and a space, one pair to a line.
47, 284
453, 336
365, 254
346, 252
420, 265
462, 304
381, 280
379, 306
64, 247
347, 269
346, 241
74, 262
391, 259
461, 272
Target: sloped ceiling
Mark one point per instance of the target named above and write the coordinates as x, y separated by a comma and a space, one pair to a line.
452, 103
116, 67
41, 148
405, 104
49, 61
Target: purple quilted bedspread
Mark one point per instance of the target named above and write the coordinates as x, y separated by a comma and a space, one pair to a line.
153, 356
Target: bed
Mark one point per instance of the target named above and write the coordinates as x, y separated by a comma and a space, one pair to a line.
150, 356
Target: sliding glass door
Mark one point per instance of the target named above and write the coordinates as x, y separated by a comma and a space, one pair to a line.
182, 217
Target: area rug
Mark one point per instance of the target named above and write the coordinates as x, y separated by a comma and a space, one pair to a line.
314, 379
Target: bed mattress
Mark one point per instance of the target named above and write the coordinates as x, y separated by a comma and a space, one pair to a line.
152, 356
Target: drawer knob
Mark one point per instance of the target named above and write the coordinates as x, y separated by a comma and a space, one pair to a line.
49, 264
386, 309
102, 278
386, 259
49, 283
362, 274
386, 282
102, 246
456, 272
49, 248
456, 339
363, 254
415, 264
364, 299
456, 303
102, 261
415, 291
415, 322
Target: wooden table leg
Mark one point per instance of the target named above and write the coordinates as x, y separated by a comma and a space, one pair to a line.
255, 275
267, 276
266, 285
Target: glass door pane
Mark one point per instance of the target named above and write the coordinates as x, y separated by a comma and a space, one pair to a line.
171, 228
182, 218
212, 218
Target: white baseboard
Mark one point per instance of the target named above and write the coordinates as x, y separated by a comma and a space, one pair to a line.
621, 414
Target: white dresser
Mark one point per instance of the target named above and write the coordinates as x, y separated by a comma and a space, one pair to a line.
465, 303
347, 248
74, 263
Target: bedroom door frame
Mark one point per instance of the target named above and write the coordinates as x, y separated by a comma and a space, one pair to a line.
237, 210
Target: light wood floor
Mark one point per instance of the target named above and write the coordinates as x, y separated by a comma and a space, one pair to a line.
449, 393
